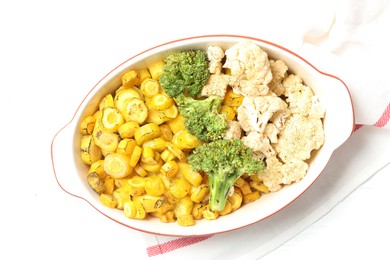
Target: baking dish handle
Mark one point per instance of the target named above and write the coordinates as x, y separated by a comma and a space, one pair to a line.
64, 150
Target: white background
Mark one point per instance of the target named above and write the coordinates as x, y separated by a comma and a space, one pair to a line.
53, 52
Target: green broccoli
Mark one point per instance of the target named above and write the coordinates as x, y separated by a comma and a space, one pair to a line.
224, 161
185, 72
202, 117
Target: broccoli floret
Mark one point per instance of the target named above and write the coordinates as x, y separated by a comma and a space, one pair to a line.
202, 117
224, 161
185, 72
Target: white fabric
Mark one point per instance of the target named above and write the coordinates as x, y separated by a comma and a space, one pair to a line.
355, 35
53, 52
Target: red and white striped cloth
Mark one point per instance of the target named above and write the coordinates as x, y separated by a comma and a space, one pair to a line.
347, 39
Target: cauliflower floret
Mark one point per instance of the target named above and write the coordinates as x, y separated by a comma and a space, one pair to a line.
279, 118
317, 110
250, 69
259, 143
294, 171
278, 174
248, 115
292, 83
279, 72
301, 98
215, 55
271, 131
216, 85
255, 112
233, 130
298, 95
272, 174
300, 136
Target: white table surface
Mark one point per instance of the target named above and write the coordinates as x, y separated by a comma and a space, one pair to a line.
52, 53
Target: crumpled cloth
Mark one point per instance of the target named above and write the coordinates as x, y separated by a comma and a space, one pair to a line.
344, 38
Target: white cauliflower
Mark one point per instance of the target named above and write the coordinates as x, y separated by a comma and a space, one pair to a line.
216, 85
215, 55
271, 131
259, 143
301, 98
294, 171
300, 136
317, 109
279, 72
292, 83
255, 112
278, 174
250, 69
272, 175
233, 130
279, 118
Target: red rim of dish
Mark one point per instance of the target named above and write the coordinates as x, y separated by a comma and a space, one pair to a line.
182, 40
